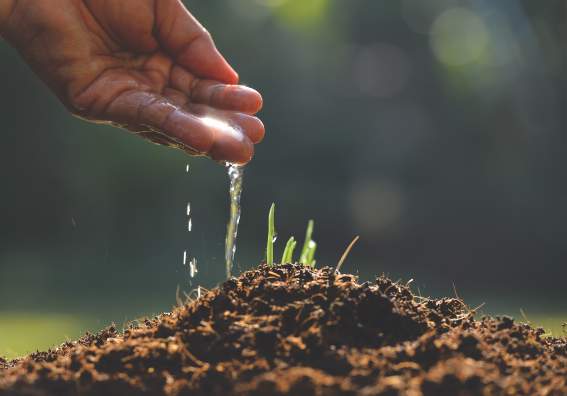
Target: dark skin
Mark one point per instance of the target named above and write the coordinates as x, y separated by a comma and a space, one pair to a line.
144, 65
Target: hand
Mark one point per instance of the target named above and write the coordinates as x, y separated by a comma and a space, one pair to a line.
144, 65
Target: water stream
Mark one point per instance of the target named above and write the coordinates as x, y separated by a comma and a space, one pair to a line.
235, 174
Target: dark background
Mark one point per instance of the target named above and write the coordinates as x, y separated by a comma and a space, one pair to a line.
435, 130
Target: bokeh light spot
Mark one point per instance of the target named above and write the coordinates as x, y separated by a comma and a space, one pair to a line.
458, 37
302, 13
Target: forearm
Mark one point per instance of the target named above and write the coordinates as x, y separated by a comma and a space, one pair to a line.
6, 8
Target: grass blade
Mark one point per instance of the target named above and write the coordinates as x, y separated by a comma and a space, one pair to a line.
346, 253
310, 256
292, 251
308, 234
287, 256
271, 233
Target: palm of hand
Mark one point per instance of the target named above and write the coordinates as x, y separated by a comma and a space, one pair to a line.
145, 65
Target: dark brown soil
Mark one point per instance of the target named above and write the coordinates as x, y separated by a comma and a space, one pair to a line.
291, 330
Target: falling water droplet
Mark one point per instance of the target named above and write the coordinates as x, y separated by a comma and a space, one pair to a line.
192, 260
193, 267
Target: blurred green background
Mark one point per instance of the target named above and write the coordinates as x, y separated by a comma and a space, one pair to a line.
435, 130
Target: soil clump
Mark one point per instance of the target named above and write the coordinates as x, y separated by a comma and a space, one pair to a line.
293, 330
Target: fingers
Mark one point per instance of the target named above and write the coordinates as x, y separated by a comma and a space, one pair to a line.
230, 144
227, 97
147, 111
139, 109
222, 96
191, 45
251, 126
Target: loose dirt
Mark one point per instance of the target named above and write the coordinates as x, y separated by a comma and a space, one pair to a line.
292, 330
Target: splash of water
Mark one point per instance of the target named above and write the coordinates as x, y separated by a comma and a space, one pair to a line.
235, 174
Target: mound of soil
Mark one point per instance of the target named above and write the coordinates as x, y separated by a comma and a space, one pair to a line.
293, 330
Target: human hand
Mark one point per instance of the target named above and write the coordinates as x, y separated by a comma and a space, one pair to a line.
144, 65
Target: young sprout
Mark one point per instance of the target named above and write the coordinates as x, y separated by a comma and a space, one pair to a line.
287, 256
271, 233
308, 244
310, 256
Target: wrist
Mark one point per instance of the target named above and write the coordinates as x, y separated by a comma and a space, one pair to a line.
6, 9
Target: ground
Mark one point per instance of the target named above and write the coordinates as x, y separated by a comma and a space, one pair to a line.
293, 330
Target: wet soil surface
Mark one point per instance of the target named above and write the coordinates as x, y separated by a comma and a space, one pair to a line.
292, 330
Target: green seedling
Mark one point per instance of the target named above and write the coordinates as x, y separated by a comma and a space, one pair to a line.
287, 256
271, 234
308, 244
310, 256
